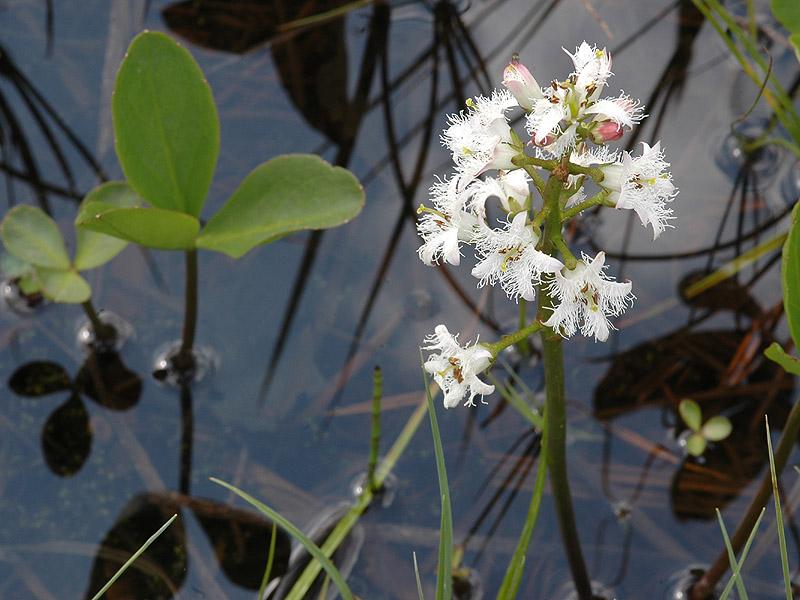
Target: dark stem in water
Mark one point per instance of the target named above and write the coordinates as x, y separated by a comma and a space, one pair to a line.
184, 361
102, 331
187, 433
703, 588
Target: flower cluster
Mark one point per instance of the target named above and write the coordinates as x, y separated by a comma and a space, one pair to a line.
568, 125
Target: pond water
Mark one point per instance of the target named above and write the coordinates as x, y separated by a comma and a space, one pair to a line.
294, 328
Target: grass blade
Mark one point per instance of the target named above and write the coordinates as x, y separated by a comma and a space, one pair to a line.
729, 586
444, 581
136, 555
787, 583
270, 558
416, 574
737, 577
513, 577
292, 530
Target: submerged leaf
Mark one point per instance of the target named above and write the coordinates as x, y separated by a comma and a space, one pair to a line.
151, 227
286, 194
39, 379
105, 379
33, 237
92, 248
67, 438
165, 124
160, 571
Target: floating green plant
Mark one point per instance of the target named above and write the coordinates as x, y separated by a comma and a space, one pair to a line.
715, 429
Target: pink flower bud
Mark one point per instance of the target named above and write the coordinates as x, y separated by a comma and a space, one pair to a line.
607, 131
519, 81
548, 139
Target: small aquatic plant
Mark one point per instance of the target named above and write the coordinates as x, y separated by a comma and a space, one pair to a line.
715, 429
562, 152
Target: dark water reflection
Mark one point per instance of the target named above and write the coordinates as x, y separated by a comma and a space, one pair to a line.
298, 325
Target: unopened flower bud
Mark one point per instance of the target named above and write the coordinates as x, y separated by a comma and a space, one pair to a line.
607, 131
519, 81
548, 139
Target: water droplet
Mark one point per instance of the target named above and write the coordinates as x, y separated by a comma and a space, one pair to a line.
420, 305
20, 303
385, 495
762, 163
88, 341
167, 368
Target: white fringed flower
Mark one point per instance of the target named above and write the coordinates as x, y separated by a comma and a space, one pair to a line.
444, 227
643, 185
592, 70
512, 188
622, 110
586, 298
480, 138
543, 123
456, 369
509, 256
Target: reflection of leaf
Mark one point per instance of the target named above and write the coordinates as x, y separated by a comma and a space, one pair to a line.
229, 25
39, 378
728, 294
67, 437
241, 542
160, 571
689, 365
312, 65
106, 380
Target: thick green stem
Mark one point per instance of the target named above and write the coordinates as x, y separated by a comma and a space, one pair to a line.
703, 588
190, 310
102, 331
537, 179
555, 407
375, 434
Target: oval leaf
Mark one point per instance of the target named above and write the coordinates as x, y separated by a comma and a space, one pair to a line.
39, 378
92, 248
790, 277
63, 286
151, 227
105, 379
165, 124
67, 438
696, 444
286, 194
32, 236
788, 13
717, 428
691, 414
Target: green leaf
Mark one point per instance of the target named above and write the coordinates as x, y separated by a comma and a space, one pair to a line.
788, 13
151, 227
444, 578
696, 444
94, 249
777, 354
717, 428
33, 237
691, 414
63, 286
298, 535
794, 40
28, 284
12, 266
790, 277
286, 194
165, 124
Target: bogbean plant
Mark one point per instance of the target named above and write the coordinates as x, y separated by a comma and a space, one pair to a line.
562, 153
167, 141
